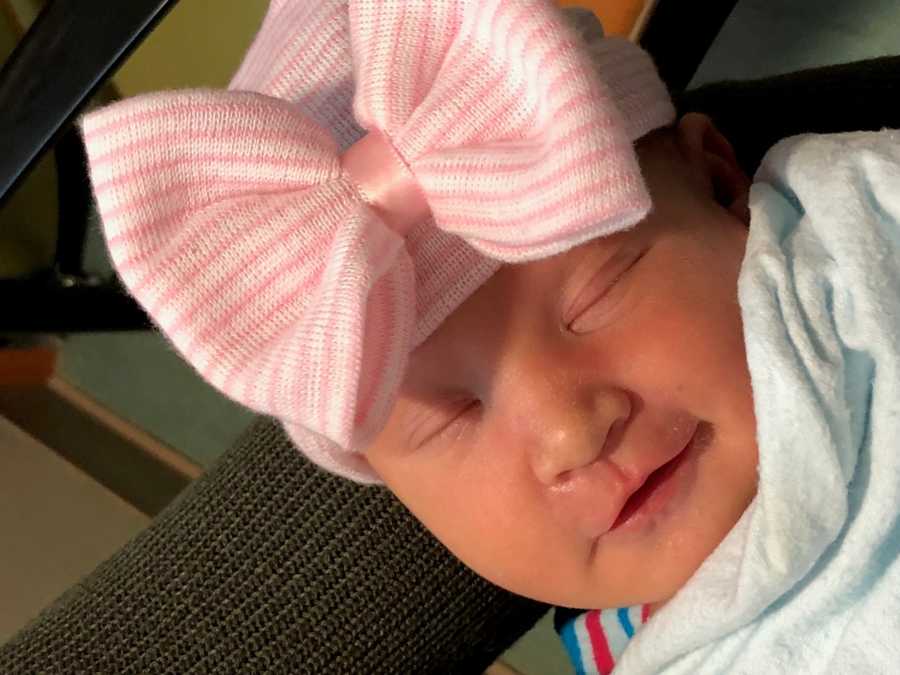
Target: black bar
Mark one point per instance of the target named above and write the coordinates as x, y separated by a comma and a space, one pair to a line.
70, 50
74, 192
678, 35
67, 305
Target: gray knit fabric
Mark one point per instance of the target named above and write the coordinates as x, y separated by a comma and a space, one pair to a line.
268, 565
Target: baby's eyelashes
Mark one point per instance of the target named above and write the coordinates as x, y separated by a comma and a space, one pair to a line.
441, 420
601, 294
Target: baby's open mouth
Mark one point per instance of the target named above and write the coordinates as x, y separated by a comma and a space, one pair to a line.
640, 500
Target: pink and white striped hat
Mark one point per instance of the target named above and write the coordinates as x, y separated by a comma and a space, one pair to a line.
370, 166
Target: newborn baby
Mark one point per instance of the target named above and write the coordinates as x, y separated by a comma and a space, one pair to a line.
529, 421
496, 273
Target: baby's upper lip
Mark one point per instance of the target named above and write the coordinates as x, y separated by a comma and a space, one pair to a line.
634, 480
574, 502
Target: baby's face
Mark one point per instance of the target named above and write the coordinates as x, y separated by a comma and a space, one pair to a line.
534, 411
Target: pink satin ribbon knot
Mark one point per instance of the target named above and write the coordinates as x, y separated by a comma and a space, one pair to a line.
385, 182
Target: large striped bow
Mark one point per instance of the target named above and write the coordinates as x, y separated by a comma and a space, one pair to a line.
253, 224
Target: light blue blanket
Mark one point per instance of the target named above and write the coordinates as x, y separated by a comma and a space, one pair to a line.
808, 580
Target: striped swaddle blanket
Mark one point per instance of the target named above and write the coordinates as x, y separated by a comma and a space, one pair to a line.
595, 639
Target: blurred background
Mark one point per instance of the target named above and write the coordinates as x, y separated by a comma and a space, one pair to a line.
64, 507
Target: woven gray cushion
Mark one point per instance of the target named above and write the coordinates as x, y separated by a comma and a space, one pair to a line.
267, 564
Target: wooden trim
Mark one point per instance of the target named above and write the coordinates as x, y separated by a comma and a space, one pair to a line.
501, 668
135, 435
131, 463
27, 365
638, 29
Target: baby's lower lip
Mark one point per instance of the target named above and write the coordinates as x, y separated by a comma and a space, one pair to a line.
656, 493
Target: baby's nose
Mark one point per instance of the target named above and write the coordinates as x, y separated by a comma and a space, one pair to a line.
572, 433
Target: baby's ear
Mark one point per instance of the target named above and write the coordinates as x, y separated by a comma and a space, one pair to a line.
712, 159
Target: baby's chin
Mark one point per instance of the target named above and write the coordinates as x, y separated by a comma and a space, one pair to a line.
651, 589
617, 579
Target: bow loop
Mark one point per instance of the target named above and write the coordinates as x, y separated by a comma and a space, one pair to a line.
498, 93
229, 217
302, 55
157, 158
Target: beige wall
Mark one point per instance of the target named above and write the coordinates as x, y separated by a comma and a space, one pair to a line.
200, 43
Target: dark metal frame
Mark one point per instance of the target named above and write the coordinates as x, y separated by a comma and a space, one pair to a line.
70, 51
61, 62
678, 35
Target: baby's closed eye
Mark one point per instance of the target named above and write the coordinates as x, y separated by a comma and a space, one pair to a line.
599, 297
447, 419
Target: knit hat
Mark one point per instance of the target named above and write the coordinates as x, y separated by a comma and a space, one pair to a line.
370, 166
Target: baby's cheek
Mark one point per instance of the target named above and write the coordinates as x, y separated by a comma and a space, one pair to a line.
709, 371
689, 355
668, 348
